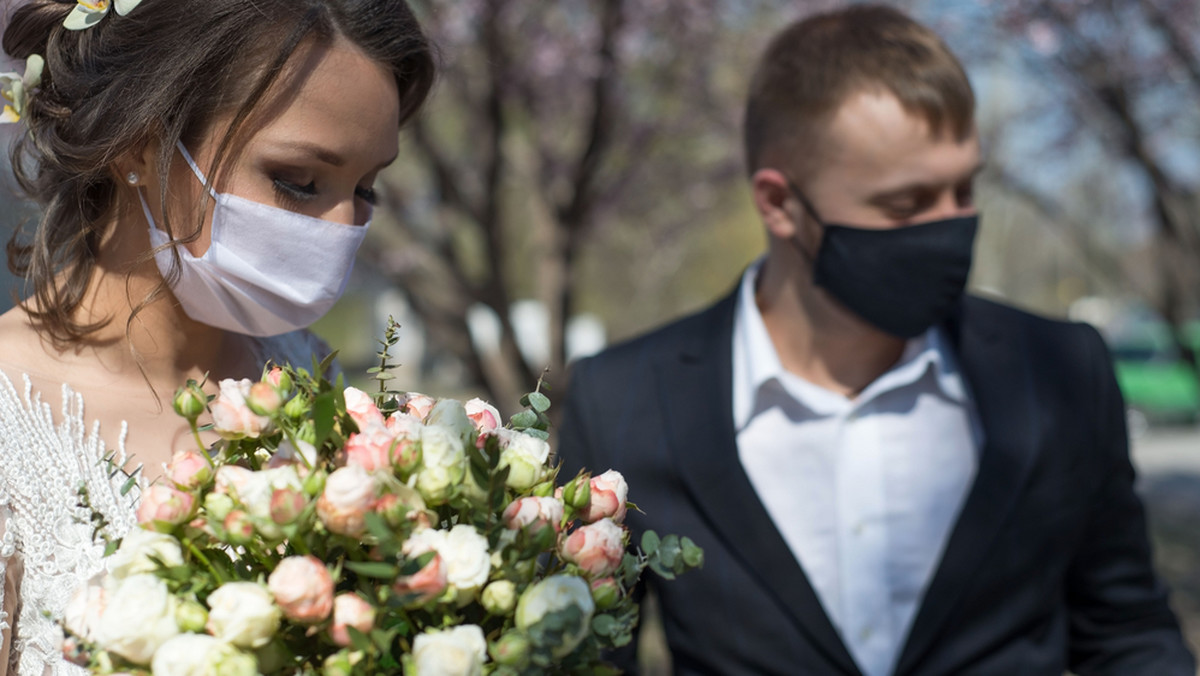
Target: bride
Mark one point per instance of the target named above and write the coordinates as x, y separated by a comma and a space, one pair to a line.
205, 170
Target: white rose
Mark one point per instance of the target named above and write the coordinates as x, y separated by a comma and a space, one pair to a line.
464, 552
138, 618
201, 655
525, 457
232, 418
450, 413
454, 652
443, 463
556, 593
499, 597
350, 492
138, 545
82, 615
256, 491
243, 613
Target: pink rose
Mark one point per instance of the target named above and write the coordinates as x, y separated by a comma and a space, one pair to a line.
303, 589
238, 527
232, 418
349, 610
596, 548
264, 399
276, 378
362, 408
371, 447
418, 405
286, 505
350, 493
483, 415
523, 512
162, 507
426, 584
608, 496
188, 469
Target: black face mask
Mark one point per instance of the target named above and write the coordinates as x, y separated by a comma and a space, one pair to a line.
900, 280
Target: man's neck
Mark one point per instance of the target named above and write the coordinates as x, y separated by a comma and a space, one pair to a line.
817, 338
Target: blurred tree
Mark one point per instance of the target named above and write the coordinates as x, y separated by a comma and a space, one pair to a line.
1124, 87
555, 123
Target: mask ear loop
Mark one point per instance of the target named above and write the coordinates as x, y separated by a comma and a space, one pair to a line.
195, 168
808, 207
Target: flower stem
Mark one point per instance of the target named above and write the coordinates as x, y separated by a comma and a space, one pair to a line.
204, 559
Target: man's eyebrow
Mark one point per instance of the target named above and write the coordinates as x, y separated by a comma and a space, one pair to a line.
904, 190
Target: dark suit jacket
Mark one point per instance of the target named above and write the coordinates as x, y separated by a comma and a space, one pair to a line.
1047, 568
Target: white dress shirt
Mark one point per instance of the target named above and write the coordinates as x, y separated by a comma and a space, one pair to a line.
863, 490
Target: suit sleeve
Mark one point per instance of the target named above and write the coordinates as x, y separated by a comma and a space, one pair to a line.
578, 446
1120, 622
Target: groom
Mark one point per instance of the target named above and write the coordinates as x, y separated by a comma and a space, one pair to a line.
886, 475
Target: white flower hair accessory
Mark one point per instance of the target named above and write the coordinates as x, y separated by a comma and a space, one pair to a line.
88, 13
15, 89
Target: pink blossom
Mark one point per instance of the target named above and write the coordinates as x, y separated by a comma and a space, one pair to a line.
418, 405
286, 505
350, 493
427, 583
188, 469
596, 548
371, 447
362, 408
263, 399
238, 527
609, 493
162, 507
232, 479
303, 589
275, 377
232, 418
524, 512
349, 610
483, 415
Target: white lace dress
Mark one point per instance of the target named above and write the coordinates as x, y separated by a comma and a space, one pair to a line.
46, 547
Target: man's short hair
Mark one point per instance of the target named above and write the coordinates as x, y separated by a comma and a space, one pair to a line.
811, 68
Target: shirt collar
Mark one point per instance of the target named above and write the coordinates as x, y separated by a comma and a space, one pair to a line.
757, 362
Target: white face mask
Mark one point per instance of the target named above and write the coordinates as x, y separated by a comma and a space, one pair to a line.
267, 270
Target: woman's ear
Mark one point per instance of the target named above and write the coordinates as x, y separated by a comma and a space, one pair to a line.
137, 168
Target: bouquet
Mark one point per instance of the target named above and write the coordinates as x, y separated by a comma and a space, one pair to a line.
334, 532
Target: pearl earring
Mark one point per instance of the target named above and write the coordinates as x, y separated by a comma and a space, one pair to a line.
132, 178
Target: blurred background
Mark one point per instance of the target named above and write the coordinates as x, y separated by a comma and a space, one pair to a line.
577, 179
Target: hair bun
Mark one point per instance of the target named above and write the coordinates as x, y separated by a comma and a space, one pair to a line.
32, 23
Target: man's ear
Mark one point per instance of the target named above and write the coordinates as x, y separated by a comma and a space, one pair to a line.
775, 203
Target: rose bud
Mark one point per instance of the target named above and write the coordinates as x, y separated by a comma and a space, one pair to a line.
189, 469
417, 404
406, 455
371, 447
232, 417
296, 407
525, 457
190, 401
596, 548
349, 494
263, 399
218, 505
499, 597
279, 379
426, 584
483, 415
605, 592
191, 616
302, 588
534, 513
286, 505
511, 649
576, 494
349, 610
162, 508
238, 528
608, 495
242, 613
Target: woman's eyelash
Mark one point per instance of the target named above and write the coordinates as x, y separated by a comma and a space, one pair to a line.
295, 192
367, 195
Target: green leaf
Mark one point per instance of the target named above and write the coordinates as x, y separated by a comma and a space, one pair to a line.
373, 569
693, 556
327, 362
539, 402
650, 542
128, 485
524, 419
359, 640
604, 625
324, 409
664, 573
540, 434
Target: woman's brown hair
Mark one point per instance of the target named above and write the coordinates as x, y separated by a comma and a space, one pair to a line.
162, 73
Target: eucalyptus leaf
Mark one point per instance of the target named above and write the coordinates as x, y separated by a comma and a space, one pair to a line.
650, 542
539, 402
374, 569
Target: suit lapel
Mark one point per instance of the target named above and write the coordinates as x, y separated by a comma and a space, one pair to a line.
696, 395
997, 373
